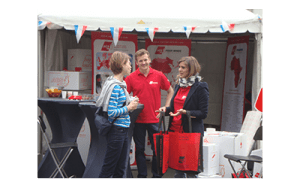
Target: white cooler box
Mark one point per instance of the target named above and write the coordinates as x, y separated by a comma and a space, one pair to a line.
229, 143
80, 58
69, 80
210, 159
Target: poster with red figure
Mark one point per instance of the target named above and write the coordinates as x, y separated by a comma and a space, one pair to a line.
164, 54
234, 84
102, 49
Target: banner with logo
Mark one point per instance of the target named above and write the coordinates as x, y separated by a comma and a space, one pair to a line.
234, 84
164, 54
102, 48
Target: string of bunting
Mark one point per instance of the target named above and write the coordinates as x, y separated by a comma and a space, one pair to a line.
117, 31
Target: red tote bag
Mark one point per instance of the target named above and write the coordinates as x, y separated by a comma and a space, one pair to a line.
161, 145
186, 150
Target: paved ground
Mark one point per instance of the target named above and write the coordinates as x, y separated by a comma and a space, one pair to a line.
169, 174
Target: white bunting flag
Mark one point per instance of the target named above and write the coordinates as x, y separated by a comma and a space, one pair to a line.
188, 30
151, 32
116, 33
226, 27
79, 30
42, 25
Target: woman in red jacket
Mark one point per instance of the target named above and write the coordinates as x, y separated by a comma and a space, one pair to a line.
190, 94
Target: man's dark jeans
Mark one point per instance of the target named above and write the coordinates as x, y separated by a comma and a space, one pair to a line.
139, 135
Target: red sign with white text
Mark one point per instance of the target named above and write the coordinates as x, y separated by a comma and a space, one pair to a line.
164, 54
102, 49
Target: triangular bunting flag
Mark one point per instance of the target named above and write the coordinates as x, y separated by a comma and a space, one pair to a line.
226, 27
188, 30
151, 32
116, 33
259, 101
42, 25
79, 30
231, 27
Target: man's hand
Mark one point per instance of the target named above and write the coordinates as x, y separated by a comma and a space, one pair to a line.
161, 109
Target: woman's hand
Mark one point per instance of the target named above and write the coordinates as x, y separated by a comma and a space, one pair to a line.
161, 109
180, 111
133, 104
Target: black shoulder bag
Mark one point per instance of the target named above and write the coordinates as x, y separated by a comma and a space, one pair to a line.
101, 121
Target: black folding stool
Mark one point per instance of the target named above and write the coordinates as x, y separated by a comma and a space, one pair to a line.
246, 159
59, 164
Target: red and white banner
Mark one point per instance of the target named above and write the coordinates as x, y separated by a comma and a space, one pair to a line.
234, 84
164, 54
102, 49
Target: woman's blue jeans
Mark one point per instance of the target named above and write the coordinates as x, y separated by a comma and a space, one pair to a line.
117, 153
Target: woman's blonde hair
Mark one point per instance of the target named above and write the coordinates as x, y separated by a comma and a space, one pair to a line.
192, 64
117, 60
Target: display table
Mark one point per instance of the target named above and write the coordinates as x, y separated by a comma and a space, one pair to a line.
98, 143
65, 119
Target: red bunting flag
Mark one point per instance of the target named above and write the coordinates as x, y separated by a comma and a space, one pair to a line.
259, 101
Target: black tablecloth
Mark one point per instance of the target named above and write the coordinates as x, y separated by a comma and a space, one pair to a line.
65, 119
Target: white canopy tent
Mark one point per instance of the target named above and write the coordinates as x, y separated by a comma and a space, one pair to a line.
169, 20
203, 22
165, 20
